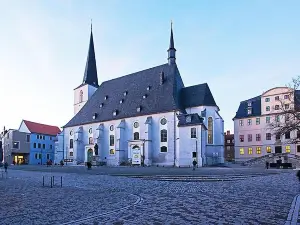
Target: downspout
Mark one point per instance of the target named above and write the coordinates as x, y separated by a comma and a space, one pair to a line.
63, 144
175, 137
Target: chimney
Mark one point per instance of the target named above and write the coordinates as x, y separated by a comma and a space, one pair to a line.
228, 132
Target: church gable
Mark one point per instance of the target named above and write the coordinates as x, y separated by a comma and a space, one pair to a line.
197, 95
150, 91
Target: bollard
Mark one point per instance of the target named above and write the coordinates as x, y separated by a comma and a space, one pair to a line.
53, 181
43, 181
61, 181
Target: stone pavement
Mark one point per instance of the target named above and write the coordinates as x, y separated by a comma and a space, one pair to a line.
104, 199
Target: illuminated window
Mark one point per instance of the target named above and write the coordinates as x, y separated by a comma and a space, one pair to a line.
269, 150
258, 150
242, 152
288, 149
111, 151
250, 151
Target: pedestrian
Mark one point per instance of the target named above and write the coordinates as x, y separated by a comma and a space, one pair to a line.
267, 164
194, 164
5, 166
298, 175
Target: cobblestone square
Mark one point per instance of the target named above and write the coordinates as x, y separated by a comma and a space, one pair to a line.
87, 198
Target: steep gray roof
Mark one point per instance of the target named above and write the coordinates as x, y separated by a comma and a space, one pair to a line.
90, 74
197, 95
161, 97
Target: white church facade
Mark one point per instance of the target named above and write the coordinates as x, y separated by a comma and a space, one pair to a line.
144, 118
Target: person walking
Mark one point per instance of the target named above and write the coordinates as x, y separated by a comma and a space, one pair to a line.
5, 166
298, 175
194, 164
267, 164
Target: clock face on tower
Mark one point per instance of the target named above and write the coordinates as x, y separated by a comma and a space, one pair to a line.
188, 119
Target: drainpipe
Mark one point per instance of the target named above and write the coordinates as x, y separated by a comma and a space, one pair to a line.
63, 145
175, 137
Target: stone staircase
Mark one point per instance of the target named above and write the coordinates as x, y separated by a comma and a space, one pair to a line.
272, 157
199, 178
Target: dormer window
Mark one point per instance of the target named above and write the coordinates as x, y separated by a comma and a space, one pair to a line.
95, 116
115, 113
249, 111
249, 104
144, 96
188, 119
101, 105
125, 93
148, 88
121, 101
138, 109
106, 97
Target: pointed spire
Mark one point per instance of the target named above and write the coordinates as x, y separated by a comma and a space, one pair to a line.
171, 50
90, 73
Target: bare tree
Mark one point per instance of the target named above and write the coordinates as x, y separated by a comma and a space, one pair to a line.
287, 117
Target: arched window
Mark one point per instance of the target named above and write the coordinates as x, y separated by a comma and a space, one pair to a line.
81, 96
111, 140
91, 140
163, 135
136, 136
210, 131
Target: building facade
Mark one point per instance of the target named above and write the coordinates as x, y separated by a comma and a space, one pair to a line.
252, 134
41, 139
229, 147
16, 147
148, 117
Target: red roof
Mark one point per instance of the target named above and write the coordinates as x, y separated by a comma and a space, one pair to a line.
41, 128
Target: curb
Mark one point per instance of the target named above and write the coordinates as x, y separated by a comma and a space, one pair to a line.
294, 211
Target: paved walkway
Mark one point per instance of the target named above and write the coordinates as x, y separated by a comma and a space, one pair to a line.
147, 170
103, 199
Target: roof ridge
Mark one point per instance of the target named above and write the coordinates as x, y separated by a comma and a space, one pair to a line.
251, 98
136, 72
40, 123
197, 85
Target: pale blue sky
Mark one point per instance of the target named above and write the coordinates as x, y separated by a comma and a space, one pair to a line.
240, 48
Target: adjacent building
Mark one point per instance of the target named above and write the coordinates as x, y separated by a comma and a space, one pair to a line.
32, 143
229, 147
252, 135
147, 117
41, 138
16, 147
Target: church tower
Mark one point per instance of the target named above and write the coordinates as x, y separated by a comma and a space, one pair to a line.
90, 80
171, 50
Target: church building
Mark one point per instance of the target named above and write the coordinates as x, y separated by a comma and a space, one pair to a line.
144, 118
